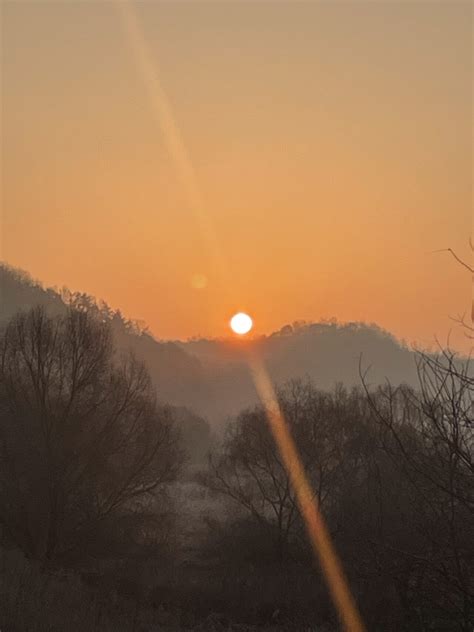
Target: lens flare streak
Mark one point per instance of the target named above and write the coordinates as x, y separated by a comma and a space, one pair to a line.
307, 502
148, 70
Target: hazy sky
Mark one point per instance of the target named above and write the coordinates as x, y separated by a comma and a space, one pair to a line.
183, 160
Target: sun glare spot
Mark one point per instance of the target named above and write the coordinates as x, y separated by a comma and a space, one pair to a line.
241, 323
198, 281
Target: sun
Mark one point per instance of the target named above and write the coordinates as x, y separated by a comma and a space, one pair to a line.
241, 323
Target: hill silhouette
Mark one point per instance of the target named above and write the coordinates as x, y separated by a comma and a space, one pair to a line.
325, 352
211, 376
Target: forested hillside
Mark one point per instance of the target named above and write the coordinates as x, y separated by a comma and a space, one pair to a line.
212, 376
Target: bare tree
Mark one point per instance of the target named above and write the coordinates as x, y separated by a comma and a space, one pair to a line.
467, 324
429, 436
249, 468
83, 443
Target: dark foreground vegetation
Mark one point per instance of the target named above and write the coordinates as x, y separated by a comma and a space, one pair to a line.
113, 518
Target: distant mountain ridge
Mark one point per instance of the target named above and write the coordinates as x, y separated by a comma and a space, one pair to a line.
326, 352
167, 362
212, 376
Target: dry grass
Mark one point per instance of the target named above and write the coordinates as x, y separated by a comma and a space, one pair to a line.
33, 601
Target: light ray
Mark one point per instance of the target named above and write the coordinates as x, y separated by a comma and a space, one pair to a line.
307, 502
149, 72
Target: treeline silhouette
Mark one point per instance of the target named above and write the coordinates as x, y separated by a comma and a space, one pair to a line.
120, 512
211, 377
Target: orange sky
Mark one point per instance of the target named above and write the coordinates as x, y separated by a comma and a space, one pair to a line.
295, 160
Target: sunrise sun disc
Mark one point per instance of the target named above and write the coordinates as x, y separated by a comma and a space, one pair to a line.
241, 323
